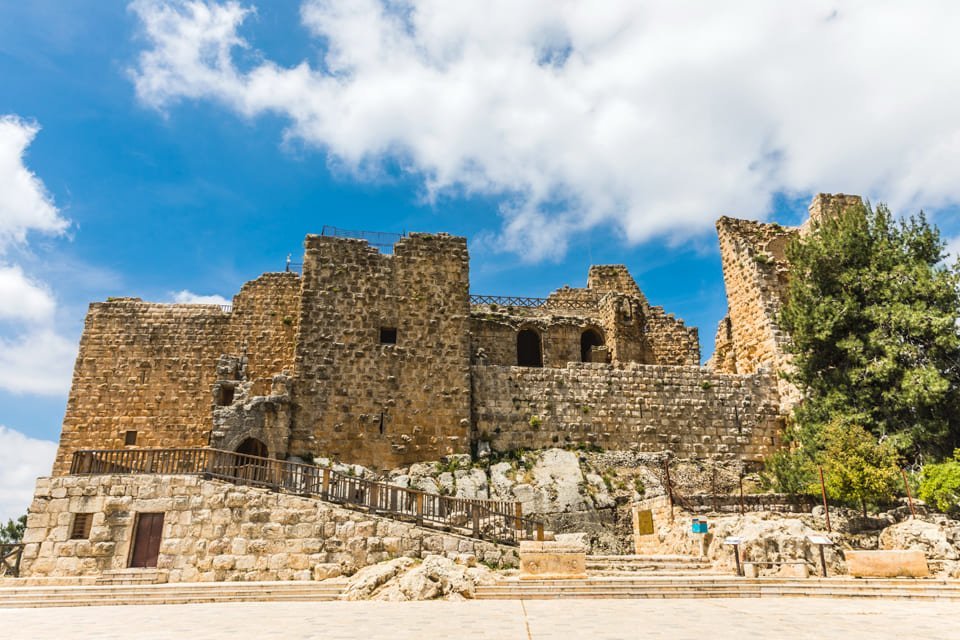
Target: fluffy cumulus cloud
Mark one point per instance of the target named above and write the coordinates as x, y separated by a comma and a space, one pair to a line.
24, 202
34, 356
653, 117
189, 297
22, 460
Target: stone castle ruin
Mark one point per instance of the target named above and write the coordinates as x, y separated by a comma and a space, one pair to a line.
386, 360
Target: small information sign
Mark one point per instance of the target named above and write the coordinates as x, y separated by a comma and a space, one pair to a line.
820, 540
733, 540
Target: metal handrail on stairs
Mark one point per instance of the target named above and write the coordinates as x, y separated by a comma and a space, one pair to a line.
498, 521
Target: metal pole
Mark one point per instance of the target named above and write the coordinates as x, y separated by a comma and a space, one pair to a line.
742, 510
823, 492
666, 467
906, 483
736, 558
823, 561
713, 487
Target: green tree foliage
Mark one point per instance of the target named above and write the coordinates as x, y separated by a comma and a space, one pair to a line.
872, 311
792, 472
12, 532
940, 484
857, 468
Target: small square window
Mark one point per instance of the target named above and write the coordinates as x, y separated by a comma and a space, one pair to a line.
225, 396
388, 335
81, 526
130, 438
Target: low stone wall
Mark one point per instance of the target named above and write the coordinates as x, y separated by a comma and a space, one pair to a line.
214, 531
691, 411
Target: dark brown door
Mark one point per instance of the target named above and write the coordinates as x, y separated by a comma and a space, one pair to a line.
146, 540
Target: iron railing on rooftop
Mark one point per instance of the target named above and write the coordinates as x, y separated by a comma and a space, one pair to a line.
532, 303
500, 521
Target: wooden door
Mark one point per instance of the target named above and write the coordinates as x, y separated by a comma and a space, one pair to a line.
146, 540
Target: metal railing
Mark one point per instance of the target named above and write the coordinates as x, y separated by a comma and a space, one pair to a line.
494, 520
382, 239
10, 555
531, 303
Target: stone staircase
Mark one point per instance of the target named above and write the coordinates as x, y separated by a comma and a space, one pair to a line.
639, 565
179, 593
131, 576
719, 587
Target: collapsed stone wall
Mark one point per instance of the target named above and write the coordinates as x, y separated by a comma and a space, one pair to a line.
374, 401
690, 411
213, 531
755, 273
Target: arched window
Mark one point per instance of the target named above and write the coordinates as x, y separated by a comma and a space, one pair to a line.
529, 349
588, 340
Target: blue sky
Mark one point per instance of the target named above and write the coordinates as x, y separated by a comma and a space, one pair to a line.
186, 147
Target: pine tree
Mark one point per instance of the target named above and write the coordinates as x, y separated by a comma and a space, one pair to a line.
872, 311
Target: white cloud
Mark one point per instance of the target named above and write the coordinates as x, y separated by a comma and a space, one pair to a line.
22, 460
953, 250
34, 357
189, 297
654, 117
25, 204
38, 361
23, 298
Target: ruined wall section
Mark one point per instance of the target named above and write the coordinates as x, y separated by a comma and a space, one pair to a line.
264, 323
143, 367
494, 336
383, 405
690, 411
755, 275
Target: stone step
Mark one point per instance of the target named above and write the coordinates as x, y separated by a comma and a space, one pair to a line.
721, 588
180, 593
644, 558
626, 573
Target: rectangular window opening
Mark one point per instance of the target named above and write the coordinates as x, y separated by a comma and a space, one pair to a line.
130, 438
388, 335
225, 396
81, 526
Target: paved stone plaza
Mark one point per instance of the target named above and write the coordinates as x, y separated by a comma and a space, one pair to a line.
742, 619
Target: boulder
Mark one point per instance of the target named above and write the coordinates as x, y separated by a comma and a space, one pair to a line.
932, 539
366, 581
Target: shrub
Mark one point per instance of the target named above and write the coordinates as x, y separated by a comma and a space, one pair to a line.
940, 484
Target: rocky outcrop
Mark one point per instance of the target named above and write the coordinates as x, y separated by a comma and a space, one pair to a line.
437, 577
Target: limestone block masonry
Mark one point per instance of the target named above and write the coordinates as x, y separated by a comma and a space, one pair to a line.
214, 531
383, 360
690, 411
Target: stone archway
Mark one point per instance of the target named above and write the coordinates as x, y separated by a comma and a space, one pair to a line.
253, 447
589, 339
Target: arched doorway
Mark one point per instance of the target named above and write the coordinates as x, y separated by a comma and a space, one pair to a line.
252, 447
529, 349
250, 469
588, 340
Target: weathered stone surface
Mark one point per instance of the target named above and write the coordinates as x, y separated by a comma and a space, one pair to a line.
887, 564
934, 540
553, 560
266, 536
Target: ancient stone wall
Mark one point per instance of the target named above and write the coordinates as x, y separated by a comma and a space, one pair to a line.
264, 323
754, 272
151, 368
688, 410
214, 531
147, 368
374, 398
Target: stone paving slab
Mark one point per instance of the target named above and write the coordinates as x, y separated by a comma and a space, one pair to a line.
740, 619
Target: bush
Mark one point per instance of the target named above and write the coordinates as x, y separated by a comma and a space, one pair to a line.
858, 469
791, 472
940, 484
